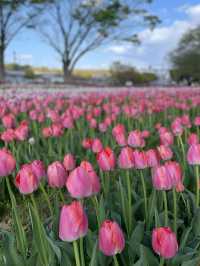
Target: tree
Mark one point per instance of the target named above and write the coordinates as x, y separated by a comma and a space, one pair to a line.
186, 58
29, 73
14, 16
75, 27
121, 73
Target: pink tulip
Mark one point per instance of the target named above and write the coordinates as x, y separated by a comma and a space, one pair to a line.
87, 143
56, 174
79, 183
69, 162
165, 152
8, 135
21, 133
9, 121
38, 169
73, 222
161, 178
135, 139
166, 138
7, 162
126, 159
193, 139
97, 145
193, 154
177, 127
152, 158
174, 170
26, 181
140, 159
197, 121
111, 238
93, 176
164, 242
106, 159
121, 140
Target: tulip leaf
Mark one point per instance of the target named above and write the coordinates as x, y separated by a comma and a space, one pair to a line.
11, 256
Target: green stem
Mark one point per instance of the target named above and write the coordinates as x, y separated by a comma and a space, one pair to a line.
61, 195
82, 252
96, 206
162, 261
46, 198
115, 260
145, 194
76, 253
166, 207
197, 184
175, 210
129, 201
183, 151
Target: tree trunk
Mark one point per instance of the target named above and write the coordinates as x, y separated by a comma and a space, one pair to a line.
66, 71
2, 66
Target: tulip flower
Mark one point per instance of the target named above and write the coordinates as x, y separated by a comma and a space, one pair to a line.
126, 158
69, 162
165, 152
164, 242
106, 159
56, 175
7, 162
111, 238
80, 184
38, 169
73, 222
26, 180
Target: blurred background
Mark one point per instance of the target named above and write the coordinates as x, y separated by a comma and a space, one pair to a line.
100, 42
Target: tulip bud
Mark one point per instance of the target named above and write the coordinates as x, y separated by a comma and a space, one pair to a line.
7, 162
111, 238
73, 222
106, 159
164, 242
69, 162
56, 174
26, 181
193, 154
126, 159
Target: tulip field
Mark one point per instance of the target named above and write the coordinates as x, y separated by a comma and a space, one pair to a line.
100, 178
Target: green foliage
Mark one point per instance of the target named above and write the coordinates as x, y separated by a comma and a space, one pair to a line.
121, 73
186, 58
29, 73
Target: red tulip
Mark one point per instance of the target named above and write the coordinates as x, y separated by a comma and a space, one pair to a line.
73, 222
164, 242
111, 238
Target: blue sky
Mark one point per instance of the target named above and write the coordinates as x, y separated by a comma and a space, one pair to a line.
177, 17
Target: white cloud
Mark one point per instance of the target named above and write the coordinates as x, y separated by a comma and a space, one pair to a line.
119, 49
157, 44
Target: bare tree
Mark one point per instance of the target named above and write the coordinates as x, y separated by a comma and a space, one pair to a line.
14, 16
75, 27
